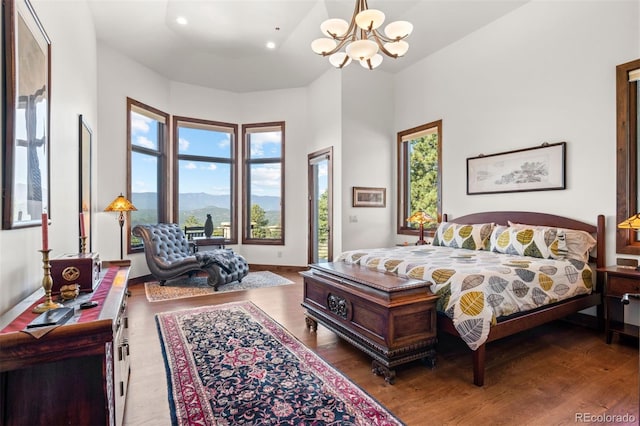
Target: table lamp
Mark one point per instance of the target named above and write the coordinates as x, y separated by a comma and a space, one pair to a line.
631, 223
121, 204
420, 218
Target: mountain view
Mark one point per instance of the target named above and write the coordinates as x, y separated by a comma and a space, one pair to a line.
194, 208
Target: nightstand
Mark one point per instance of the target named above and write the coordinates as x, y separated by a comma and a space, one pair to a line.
618, 281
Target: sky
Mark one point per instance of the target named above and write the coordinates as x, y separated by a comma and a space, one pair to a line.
197, 176
21, 172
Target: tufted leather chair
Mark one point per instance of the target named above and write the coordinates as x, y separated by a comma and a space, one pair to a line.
169, 255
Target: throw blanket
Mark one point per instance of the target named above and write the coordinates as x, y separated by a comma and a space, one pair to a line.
224, 258
477, 286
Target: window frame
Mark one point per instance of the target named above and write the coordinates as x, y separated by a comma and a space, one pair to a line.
403, 177
247, 162
627, 178
233, 162
160, 154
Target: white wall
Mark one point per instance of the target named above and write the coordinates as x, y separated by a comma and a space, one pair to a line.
350, 110
325, 125
4, 241
290, 106
73, 92
325, 114
120, 77
543, 73
368, 150
200, 102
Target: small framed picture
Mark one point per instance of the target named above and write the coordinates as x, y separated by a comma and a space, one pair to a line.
369, 197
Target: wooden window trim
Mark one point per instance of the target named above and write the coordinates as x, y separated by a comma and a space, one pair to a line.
246, 162
162, 163
403, 175
207, 124
626, 157
328, 153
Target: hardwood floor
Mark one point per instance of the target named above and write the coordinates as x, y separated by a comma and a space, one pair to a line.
549, 375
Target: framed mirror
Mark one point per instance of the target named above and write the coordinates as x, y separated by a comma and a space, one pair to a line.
627, 154
85, 202
27, 85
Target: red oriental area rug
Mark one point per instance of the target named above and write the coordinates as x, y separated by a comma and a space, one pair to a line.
233, 364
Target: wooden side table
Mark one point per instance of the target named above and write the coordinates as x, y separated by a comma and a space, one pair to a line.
618, 281
216, 242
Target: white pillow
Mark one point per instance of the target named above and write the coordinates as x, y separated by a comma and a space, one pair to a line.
578, 243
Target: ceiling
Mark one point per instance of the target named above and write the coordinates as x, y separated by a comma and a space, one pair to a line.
223, 44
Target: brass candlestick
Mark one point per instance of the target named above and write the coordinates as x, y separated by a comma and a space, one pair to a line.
47, 283
83, 244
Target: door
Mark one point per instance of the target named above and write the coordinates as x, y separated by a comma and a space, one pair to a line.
320, 206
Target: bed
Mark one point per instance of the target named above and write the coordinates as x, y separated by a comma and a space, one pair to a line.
562, 282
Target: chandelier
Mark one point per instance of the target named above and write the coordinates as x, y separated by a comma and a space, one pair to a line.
361, 38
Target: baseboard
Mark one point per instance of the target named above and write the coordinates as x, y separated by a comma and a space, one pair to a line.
277, 268
252, 268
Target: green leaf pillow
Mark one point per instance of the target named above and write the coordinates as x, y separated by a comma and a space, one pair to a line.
543, 243
472, 237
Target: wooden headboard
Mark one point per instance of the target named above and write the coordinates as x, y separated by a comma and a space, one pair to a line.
541, 219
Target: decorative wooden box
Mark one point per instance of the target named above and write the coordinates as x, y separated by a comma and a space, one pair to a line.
392, 319
75, 268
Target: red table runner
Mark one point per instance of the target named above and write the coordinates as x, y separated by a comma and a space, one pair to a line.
98, 295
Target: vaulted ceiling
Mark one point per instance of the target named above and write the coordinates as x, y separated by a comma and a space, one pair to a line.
223, 45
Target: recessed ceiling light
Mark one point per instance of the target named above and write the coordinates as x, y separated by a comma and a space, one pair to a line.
182, 20
271, 45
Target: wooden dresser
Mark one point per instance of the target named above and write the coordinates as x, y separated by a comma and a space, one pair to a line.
392, 319
78, 372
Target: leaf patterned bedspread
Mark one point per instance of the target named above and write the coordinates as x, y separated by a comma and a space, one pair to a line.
477, 286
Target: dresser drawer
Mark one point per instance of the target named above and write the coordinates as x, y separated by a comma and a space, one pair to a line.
617, 286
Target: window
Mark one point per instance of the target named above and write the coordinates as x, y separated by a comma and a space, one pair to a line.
199, 176
419, 174
263, 201
206, 175
147, 139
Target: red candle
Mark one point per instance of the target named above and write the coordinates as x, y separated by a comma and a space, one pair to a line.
82, 234
45, 231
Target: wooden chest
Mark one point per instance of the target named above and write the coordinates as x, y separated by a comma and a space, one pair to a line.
392, 319
75, 268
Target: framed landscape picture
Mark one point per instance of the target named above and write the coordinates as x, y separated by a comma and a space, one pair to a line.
539, 168
27, 83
